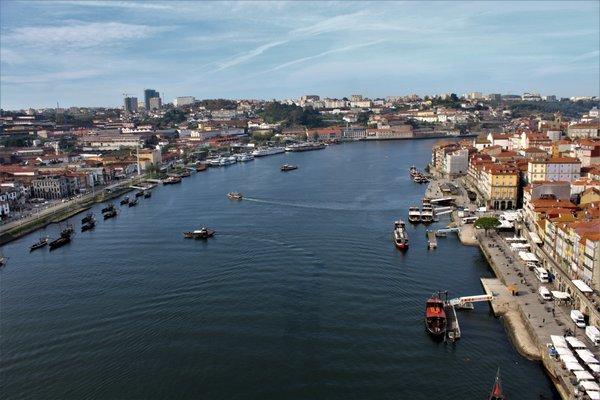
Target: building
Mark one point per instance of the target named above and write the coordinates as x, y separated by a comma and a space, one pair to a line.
584, 130
500, 186
130, 104
457, 162
155, 103
149, 94
184, 101
110, 142
554, 169
324, 134
354, 133
547, 190
50, 187
393, 132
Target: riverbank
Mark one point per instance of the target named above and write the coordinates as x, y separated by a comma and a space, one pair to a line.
69, 210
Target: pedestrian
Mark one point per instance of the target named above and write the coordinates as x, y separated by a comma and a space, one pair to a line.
543, 320
553, 312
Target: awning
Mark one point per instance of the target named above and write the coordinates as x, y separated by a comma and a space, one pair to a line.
587, 356
560, 295
526, 256
594, 395
573, 366
558, 341
582, 286
515, 246
583, 376
574, 342
594, 367
587, 385
563, 351
568, 358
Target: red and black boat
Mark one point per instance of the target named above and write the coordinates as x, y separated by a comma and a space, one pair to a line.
497, 393
435, 316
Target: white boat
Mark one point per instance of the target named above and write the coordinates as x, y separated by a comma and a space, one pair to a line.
414, 214
227, 160
400, 235
305, 146
214, 162
427, 213
244, 157
267, 151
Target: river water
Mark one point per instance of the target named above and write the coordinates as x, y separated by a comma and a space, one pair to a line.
300, 295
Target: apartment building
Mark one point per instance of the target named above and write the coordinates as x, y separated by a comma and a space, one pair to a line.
499, 186
51, 187
554, 169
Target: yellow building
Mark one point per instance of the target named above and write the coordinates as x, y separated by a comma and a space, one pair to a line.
537, 171
500, 186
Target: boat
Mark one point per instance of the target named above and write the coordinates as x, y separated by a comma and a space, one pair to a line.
227, 161
91, 224
185, 174
267, 151
306, 146
243, 157
235, 196
89, 217
288, 167
414, 215
171, 180
125, 200
109, 207
413, 171
147, 194
64, 238
427, 213
496, 393
203, 233
110, 214
200, 167
214, 162
43, 242
440, 234
2, 259
435, 316
400, 235
139, 194
133, 203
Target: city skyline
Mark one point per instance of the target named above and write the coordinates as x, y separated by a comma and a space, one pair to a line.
88, 53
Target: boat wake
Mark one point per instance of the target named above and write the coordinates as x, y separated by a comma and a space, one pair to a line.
317, 207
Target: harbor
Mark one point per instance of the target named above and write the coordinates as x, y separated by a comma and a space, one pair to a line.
310, 304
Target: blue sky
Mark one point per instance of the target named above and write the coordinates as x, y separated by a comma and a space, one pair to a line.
90, 52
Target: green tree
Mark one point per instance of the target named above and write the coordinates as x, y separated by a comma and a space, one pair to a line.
487, 223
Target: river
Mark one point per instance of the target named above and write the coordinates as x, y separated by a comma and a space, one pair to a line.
301, 294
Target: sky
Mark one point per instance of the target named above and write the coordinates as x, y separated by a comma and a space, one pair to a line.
89, 53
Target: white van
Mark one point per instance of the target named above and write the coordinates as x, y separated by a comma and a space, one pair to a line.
577, 317
544, 294
593, 334
541, 274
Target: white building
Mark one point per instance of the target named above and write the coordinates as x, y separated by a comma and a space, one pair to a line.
184, 101
457, 162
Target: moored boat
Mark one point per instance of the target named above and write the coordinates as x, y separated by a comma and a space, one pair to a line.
414, 215
64, 238
200, 167
110, 214
147, 194
139, 194
243, 157
267, 151
186, 173
202, 233
288, 167
235, 196
306, 146
91, 224
43, 242
133, 203
400, 235
171, 180
435, 316
87, 218
125, 200
109, 207
497, 393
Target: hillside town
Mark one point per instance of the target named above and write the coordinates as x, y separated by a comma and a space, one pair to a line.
51, 155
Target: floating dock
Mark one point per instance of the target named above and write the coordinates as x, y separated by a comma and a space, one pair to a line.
432, 240
452, 326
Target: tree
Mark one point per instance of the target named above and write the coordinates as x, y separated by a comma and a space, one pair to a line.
487, 223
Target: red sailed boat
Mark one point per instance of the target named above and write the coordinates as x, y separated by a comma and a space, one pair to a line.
496, 393
435, 316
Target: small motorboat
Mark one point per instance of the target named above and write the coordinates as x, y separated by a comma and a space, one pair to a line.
203, 233
43, 242
125, 200
235, 196
147, 195
288, 167
133, 203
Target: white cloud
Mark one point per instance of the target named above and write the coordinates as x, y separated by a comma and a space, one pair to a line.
52, 76
10, 57
118, 4
79, 35
243, 57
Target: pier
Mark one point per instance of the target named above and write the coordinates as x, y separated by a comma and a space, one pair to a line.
452, 325
432, 240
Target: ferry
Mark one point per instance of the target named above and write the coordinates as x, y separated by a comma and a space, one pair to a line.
400, 235
244, 157
235, 196
414, 215
171, 180
227, 161
43, 242
110, 214
267, 151
435, 316
306, 146
288, 167
203, 233
125, 200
